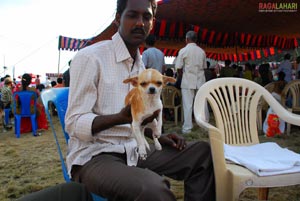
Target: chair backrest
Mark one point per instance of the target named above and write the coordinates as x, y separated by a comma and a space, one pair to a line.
171, 96
234, 102
263, 104
59, 97
26, 101
293, 89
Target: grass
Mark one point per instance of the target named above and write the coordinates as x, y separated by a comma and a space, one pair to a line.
29, 164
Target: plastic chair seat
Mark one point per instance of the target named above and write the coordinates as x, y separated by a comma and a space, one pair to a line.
25, 100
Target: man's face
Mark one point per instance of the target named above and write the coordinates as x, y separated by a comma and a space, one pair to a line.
135, 22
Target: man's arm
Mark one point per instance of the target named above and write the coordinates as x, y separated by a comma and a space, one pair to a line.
104, 122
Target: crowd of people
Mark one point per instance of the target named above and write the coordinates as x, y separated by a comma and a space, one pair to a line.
7, 88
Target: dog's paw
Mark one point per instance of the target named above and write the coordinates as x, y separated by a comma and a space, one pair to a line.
142, 152
157, 144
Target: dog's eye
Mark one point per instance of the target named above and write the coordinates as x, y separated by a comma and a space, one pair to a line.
159, 83
143, 84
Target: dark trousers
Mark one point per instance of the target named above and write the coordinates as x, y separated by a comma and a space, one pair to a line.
108, 175
63, 192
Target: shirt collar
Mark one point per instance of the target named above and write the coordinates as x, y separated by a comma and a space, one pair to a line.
121, 50
191, 44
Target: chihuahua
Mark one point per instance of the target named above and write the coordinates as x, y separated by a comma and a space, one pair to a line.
144, 99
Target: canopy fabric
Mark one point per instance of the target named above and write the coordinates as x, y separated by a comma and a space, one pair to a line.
252, 16
72, 44
173, 30
238, 30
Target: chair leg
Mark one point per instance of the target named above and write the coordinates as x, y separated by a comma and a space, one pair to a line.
263, 193
288, 128
17, 126
176, 116
34, 125
259, 120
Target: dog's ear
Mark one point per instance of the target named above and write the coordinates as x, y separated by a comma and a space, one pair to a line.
132, 80
168, 79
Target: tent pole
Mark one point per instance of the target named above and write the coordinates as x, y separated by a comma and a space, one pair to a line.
58, 63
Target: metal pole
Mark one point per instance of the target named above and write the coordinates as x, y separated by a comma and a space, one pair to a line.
58, 62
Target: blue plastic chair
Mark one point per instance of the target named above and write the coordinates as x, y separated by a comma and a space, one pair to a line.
24, 100
59, 97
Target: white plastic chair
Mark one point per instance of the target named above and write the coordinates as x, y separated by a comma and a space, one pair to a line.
171, 99
263, 106
292, 89
234, 103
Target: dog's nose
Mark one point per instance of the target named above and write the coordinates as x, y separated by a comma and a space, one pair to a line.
151, 90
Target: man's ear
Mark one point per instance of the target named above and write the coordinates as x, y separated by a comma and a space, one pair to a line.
132, 80
153, 22
117, 19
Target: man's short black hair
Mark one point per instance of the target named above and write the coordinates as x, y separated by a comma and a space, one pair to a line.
227, 62
121, 5
287, 56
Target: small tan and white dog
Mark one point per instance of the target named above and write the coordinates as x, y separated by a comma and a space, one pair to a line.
144, 99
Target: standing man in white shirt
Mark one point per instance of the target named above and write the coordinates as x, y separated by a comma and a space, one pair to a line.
153, 57
190, 63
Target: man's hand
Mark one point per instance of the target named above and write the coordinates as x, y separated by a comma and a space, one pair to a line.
126, 114
173, 140
151, 118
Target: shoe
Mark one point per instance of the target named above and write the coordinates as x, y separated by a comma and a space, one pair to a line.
8, 126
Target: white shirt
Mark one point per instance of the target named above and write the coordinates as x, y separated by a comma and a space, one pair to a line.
192, 60
286, 67
96, 88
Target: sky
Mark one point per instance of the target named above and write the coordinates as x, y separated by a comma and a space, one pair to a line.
30, 28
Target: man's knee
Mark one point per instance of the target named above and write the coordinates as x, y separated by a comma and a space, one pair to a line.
156, 189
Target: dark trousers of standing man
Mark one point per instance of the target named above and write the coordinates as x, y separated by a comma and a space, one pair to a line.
108, 175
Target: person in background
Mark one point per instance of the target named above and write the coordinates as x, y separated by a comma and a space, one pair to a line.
227, 70
66, 76
7, 97
286, 67
59, 82
191, 63
265, 74
37, 80
40, 87
273, 125
248, 72
42, 122
48, 83
53, 83
209, 72
153, 57
102, 153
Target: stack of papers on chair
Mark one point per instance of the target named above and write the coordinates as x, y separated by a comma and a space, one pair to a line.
264, 159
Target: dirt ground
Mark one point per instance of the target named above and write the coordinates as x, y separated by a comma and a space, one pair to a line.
29, 164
